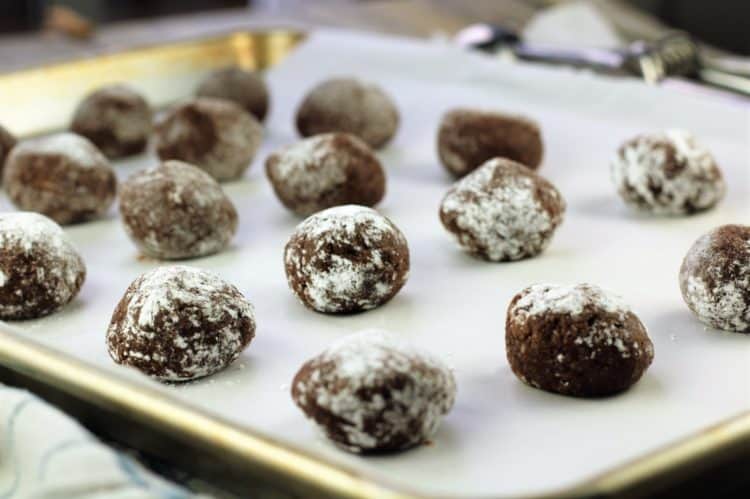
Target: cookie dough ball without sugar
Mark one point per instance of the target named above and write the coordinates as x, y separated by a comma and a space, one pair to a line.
346, 259
502, 211
351, 106
116, 118
715, 278
324, 171
215, 134
667, 173
180, 323
176, 210
245, 88
62, 176
575, 340
371, 392
40, 270
7, 142
469, 137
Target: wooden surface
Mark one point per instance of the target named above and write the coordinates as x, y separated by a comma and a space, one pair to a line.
405, 17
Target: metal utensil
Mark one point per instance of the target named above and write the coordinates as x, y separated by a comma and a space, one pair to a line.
675, 54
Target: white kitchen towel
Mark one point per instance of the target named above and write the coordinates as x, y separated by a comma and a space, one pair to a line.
44, 454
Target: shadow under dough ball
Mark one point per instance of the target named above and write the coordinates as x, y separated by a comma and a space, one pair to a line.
116, 118
469, 137
324, 171
667, 173
351, 106
176, 210
245, 88
214, 134
502, 211
575, 340
346, 259
715, 278
371, 392
62, 176
180, 323
7, 142
40, 270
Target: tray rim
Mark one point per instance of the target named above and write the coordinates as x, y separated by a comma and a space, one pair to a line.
105, 390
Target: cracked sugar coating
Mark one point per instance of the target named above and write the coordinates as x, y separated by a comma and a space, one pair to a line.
214, 134
116, 118
245, 88
326, 170
371, 392
180, 323
351, 106
62, 176
469, 137
575, 340
177, 210
40, 270
715, 278
7, 142
502, 211
667, 173
346, 259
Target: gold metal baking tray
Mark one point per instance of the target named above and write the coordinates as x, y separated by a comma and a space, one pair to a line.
237, 458
55, 90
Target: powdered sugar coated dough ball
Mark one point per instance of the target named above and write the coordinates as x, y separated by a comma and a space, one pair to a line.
715, 278
371, 392
40, 270
180, 323
346, 259
502, 211
667, 173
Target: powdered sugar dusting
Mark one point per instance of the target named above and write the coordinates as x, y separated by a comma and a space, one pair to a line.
667, 173
540, 300
498, 212
28, 228
78, 149
407, 411
162, 304
552, 298
311, 167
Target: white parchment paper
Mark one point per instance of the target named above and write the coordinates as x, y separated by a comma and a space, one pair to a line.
502, 438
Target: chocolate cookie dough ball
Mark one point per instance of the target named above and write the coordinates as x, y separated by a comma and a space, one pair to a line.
469, 137
214, 134
63, 176
351, 106
502, 211
667, 173
346, 259
40, 270
575, 340
371, 392
116, 118
245, 88
7, 142
177, 210
326, 170
180, 323
715, 278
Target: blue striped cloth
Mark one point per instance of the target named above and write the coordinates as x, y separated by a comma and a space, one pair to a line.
44, 454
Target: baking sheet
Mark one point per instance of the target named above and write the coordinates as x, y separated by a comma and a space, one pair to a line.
502, 437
